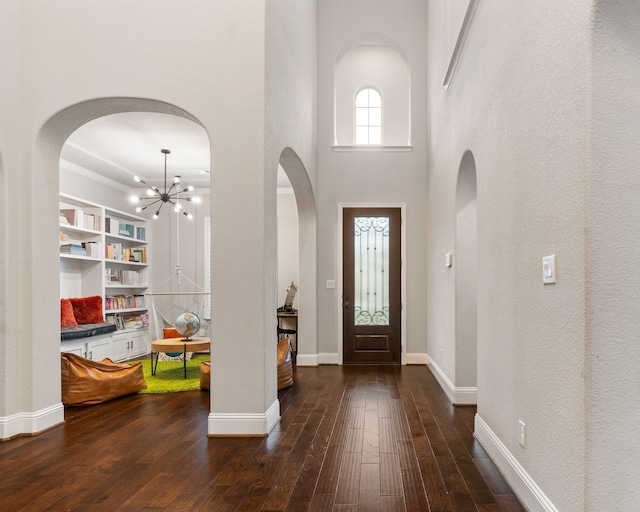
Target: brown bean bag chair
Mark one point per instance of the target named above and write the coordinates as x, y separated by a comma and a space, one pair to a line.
205, 374
86, 382
285, 366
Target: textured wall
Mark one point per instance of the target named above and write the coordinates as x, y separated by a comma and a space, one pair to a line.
371, 178
613, 242
519, 101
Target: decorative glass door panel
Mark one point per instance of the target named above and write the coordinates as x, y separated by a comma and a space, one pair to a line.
371, 285
371, 271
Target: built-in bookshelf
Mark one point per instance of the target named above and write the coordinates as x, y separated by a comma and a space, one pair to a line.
105, 252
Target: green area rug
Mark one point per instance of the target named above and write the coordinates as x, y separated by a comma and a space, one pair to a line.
169, 377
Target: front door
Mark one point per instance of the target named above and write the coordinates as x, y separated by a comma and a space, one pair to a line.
371, 299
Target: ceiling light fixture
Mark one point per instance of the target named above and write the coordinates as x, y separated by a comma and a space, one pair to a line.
170, 194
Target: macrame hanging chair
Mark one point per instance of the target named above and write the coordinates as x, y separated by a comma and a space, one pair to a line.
166, 306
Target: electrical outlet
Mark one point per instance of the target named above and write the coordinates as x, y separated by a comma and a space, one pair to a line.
521, 433
440, 354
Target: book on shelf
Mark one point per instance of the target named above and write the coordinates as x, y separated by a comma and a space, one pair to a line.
69, 214
141, 233
115, 302
111, 226
93, 249
128, 320
138, 254
126, 230
75, 249
80, 219
125, 277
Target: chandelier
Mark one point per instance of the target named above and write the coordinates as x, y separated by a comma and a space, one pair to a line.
170, 194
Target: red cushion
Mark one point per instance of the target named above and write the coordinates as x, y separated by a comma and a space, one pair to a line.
67, 318
88, 310
170, 333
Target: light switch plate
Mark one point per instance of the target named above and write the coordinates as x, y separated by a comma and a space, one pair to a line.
331, 283
549, 269
448, 259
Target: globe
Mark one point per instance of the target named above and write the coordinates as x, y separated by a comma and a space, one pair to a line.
187, 324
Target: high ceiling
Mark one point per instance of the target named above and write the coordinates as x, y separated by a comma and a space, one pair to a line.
121, 146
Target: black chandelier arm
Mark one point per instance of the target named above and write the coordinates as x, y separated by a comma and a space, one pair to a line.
157, 200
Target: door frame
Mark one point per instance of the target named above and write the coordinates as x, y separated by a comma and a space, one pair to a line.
403, 274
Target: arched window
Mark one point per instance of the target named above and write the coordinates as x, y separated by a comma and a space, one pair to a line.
368, 117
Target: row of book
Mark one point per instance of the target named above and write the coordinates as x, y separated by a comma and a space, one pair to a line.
128, 321
80, 219
116, 227
124, 302
125, 277
120, 252
91, 249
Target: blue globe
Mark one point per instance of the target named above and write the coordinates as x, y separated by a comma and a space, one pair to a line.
188, 324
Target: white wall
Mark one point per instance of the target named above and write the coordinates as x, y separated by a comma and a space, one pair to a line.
287, 244
371, 177
384, 67
519, 101
613, 235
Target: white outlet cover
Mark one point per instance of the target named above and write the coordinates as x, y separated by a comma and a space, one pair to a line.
521, 433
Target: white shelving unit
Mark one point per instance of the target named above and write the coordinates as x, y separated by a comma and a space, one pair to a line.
104, 252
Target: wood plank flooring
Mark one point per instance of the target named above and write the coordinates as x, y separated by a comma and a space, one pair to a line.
351, 438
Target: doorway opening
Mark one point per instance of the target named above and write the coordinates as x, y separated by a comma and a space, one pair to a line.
466, 305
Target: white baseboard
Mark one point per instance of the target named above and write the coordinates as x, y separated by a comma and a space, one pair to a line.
31, 422
522, 484
307, 360
457, 395
247, 425
415, 358
329, 358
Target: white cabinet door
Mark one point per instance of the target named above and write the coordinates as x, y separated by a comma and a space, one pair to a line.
99, 349
138, 344
77, 348
120, 346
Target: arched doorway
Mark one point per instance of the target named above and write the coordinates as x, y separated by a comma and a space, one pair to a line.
45, 385
307, 257
466, 266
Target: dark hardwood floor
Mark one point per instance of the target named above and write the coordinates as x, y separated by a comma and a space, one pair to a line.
351, 438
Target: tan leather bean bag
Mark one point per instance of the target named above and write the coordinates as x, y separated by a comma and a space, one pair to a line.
205, 374
86, 382
285, 366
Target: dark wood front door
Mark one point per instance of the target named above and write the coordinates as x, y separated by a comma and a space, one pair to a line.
371, 298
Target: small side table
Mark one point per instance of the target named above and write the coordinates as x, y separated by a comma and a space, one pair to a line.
195, 344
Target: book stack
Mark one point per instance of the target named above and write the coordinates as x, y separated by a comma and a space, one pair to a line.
138, 254
75, 249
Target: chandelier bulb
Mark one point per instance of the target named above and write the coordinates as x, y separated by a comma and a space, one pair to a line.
155, 215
